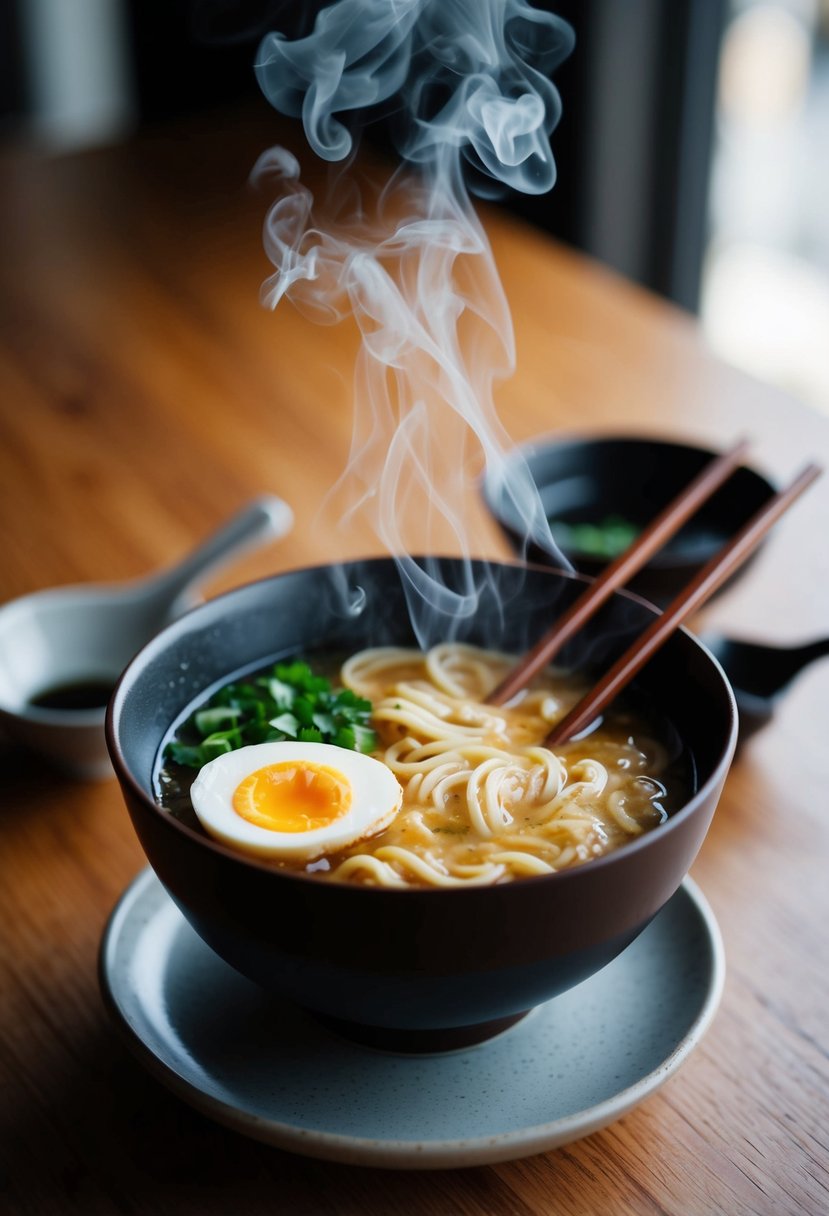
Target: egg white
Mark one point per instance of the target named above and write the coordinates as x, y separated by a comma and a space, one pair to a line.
376, 797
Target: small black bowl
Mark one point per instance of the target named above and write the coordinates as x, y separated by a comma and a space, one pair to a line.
630, 478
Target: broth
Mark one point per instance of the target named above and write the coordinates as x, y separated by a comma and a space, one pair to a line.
483, 801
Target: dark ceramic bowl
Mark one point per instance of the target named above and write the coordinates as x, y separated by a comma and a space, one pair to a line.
590, 480
411, 969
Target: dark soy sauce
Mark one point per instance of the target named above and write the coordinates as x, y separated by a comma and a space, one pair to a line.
79, 694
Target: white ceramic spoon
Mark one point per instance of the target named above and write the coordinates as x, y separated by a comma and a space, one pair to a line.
89, 632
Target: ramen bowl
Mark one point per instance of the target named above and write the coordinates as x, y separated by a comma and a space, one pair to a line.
413, 968
599, 492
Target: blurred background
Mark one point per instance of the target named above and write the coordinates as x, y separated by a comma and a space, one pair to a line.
693, 151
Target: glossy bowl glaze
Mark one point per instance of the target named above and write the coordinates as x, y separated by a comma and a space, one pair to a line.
586, 480
410, 969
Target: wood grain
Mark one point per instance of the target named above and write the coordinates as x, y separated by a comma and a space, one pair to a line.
144, 396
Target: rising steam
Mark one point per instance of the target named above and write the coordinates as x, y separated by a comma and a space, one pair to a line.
465, 87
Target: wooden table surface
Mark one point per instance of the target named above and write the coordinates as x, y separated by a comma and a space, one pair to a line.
145, 397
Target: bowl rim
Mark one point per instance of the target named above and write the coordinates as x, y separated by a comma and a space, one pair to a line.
158, 643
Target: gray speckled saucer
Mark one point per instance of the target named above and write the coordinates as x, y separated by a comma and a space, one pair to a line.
267, 1069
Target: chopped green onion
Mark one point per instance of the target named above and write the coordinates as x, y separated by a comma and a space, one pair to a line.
287, 724
309, 734
210, 720
365, 739
184, 753
282, 693
289, 702
605, 539
211, 748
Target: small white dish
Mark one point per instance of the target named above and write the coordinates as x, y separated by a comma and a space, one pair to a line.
85, 635
270, 1071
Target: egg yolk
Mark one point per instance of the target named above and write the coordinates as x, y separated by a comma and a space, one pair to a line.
293, 796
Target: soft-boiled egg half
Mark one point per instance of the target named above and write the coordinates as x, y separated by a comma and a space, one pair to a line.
294, 801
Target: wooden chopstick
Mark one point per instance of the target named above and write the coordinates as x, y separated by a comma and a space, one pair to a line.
649, 541
706, 582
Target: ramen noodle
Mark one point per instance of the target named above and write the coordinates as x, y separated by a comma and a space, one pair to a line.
484, 801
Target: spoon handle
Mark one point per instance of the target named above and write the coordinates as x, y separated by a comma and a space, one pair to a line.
265, 518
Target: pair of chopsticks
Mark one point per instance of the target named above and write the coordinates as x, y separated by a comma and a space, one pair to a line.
700, 588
